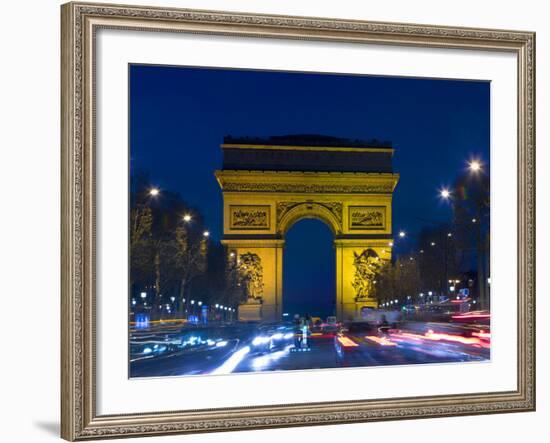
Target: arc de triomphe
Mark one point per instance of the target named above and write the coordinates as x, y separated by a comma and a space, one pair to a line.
269, 184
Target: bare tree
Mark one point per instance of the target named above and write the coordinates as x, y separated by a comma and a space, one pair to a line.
397, 281
190, 259
165, 253
141, 219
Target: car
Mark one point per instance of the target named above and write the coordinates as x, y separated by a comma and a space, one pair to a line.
148, 350
344, 346
331, 326
472, 317
316, 324
360, 327
328, 329
270, 337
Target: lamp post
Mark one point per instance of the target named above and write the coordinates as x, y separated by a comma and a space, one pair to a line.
473, 220
476, 170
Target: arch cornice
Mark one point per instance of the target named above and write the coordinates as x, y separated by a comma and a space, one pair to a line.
289, 213
267, 182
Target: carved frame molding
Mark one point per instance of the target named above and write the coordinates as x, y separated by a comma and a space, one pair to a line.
79, 24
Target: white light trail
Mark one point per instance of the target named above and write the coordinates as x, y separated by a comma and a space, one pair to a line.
260, 363
231, 363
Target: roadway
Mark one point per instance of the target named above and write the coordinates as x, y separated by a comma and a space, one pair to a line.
233, 349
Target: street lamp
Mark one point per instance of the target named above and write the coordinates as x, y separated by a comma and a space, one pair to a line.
206, 234
402, 234
153, 192
192, 302
445, 193
187, 218
143, 295
474, 166
199, 303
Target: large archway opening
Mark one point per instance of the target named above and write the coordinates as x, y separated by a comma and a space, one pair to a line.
309, 270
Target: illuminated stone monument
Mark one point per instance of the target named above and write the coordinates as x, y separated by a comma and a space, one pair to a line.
270, 184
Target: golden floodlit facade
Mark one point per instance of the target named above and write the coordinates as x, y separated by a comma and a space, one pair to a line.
270, 184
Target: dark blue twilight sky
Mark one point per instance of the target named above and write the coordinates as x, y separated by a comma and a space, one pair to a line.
178, 117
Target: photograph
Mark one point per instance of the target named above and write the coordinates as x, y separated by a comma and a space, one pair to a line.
283, 221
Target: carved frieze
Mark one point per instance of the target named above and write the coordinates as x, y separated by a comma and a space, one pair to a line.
249, 217
367, 217
380, 188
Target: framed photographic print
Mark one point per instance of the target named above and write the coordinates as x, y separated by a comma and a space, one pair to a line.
283, 221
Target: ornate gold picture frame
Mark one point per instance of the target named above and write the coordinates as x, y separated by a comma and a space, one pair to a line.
80, 22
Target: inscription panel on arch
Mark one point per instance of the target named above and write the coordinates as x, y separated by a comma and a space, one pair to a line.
249, 217
367, 218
